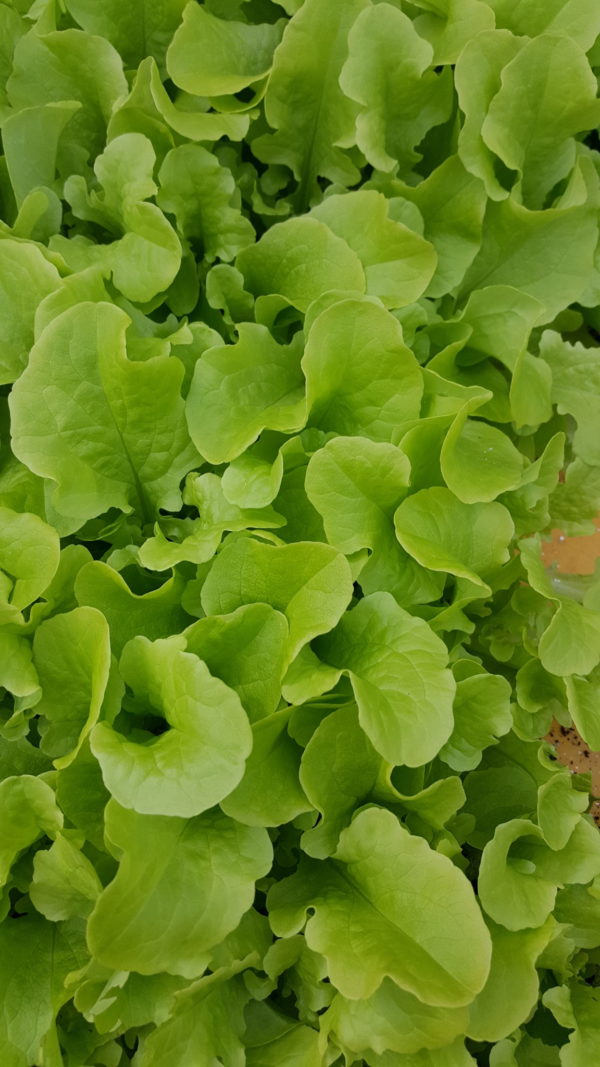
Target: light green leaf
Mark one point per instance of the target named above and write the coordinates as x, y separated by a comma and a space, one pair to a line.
575, 387
29, 556
376, 388
225, 291
339, 770
388, 73
579, 908
485, 386
31, 139
307, 678
270, 793
478, 78
397, 262
253, 479
35, 958
252, 937
129, 414
65, 884
300, 259
87, 284
202, 196
452, 203
582, 694
311, 584
546, 254
397, 668
478, 461
531, 391
28, 810
501, 319
450, 24
114, 1000
519, 874
356, 485
434, 805
292, 1043
247, 649
570, 644
39, 217
142, 28
12, 28
536, 688
481, 714
583, 1002
71, 653
82, 796
576, 501
148, 109
146, 260
195, 763
468, 540
304, 103
147, 920
392, 1020
369, 920
511, 991
305, 975
157, 613
69, 65
26, 278
390, 569
206, 1025
17, 672
547, 95
147, 257
577, 19
124, 171
209, 56
454, 1055
559, 807
530, 504
197, 540
242, 389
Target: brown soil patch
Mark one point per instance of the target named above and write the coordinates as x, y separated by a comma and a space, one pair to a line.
573, 555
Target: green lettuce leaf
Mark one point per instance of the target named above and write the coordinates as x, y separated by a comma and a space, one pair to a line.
242, 389
388, 73
304, 103
311, 584
120, 466
28, 811
27, 277
190, 767
159, 857
397, 669
375, 879
36, 957
520, 874
71, 653
398, 263
233, 54
299, 260
376, 389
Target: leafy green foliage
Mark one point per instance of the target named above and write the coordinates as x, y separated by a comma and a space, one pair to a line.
299, 366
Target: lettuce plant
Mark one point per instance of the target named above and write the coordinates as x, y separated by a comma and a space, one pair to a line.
299, 312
